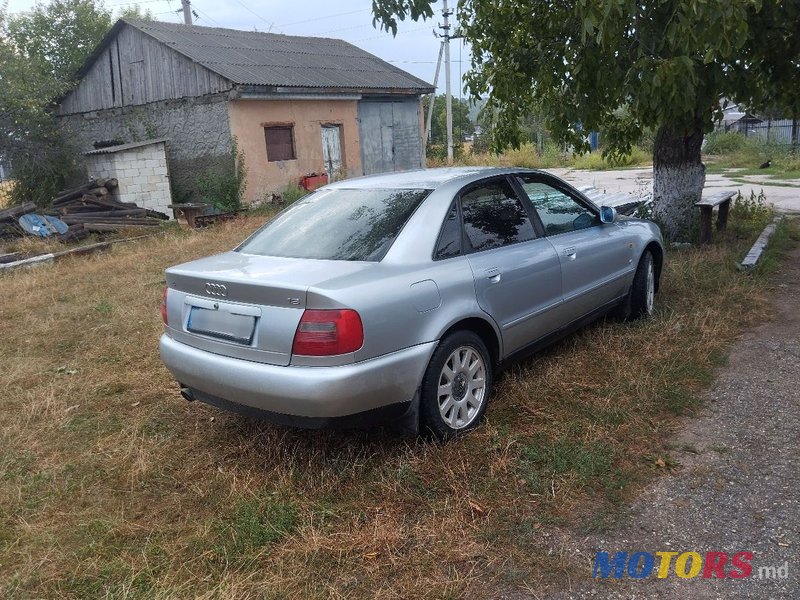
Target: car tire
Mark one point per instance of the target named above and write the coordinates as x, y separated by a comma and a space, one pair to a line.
456, 387
643, 290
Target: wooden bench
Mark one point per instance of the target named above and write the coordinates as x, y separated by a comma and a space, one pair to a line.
189, 211
723, 201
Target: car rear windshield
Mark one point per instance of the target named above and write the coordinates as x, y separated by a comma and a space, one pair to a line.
340, 224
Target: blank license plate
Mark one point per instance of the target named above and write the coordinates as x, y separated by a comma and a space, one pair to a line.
221, 324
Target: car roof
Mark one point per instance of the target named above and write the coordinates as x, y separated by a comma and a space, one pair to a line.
428, 179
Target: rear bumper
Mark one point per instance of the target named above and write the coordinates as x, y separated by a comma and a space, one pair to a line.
315, 392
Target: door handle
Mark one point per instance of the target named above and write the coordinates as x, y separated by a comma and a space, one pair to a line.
571, 253
493, 274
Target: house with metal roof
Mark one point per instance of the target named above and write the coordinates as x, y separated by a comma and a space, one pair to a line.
288, 106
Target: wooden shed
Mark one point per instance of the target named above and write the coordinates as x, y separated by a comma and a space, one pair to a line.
291, 105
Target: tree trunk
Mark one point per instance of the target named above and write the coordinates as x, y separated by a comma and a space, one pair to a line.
678, 179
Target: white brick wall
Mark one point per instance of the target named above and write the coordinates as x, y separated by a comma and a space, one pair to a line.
142, 173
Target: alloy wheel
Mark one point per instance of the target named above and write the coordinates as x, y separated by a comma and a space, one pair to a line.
462, 387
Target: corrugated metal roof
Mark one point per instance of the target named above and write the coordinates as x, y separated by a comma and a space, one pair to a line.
271, 59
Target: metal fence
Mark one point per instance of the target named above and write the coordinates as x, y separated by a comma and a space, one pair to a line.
772, 132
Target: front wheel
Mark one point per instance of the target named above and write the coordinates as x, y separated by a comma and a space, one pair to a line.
456, 386
643, 290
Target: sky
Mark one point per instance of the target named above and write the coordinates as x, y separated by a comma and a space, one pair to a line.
415, 49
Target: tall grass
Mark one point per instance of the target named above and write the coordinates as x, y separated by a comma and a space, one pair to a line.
732, 150
552, 156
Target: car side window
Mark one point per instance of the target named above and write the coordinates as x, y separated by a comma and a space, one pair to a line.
494, 217
558, 211
450, 239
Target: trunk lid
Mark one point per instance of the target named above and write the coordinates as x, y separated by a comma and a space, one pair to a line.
245, 306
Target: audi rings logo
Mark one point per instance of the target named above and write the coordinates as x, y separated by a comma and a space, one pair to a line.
216, 289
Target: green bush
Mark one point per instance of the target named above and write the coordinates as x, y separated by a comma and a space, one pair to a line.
292, 193
749, 215
438, 152
47, 167
725, 142
224, 189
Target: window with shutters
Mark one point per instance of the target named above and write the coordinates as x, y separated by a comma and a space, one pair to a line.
280, 142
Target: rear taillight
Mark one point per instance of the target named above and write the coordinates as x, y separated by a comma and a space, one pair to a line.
164, 306
328, 332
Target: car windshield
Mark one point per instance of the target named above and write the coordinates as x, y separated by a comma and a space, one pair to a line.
339, 224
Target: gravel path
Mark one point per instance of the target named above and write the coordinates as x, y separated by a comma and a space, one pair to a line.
738, 487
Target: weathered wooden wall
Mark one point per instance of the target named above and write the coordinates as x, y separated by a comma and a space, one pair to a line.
135, 69
390, 135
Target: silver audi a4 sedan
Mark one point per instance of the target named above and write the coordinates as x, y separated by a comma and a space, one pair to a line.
398, 297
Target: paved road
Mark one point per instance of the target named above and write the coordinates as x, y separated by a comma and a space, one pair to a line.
738, 487
640, 181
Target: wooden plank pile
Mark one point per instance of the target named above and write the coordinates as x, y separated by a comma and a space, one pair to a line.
8, 219
91, 208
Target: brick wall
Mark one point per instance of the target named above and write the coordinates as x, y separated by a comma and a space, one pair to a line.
141, 171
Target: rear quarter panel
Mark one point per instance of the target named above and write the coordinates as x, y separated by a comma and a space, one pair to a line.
396, 312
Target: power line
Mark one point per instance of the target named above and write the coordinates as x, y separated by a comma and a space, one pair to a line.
344, 29
134, 3
352, 12
251, 11
210, 18
417, 62
383, 35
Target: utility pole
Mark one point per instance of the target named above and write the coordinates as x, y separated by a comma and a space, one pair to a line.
446, 41
433, 95
187, 11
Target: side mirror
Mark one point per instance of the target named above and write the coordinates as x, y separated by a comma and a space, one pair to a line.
608, 214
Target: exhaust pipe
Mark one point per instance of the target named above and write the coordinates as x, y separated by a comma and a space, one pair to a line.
187, 393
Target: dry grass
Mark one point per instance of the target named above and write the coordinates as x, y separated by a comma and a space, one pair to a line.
113, 486
5, 189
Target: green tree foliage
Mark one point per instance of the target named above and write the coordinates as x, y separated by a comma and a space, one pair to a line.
462, 125
39, 55
666, 62
60, 35
29, 139
136, 12
774, 49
